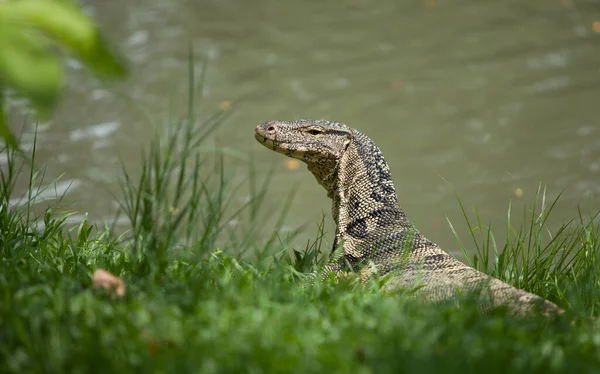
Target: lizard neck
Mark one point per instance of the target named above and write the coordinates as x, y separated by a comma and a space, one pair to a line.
326, 173
364, 202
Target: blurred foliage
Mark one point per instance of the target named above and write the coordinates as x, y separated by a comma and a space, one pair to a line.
34, 37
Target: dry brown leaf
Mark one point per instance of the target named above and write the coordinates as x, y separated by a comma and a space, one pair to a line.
108, 281
596, 26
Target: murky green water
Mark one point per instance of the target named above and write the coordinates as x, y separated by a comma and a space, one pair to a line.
483, 96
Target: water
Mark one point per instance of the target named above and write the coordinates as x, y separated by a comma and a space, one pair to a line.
488, 98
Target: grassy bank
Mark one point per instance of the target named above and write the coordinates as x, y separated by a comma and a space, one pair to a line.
197, 301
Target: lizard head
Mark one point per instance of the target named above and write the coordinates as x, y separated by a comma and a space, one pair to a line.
343, 160
319, 143
311, 141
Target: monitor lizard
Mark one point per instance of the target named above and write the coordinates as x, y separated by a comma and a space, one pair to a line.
373, 231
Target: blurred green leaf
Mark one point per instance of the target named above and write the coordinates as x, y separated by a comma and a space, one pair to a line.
67, 25
5, 132
28, 67
29, 64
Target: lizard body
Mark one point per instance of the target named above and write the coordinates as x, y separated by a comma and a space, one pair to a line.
371, 228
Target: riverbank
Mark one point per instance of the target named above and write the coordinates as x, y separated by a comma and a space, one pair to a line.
203, 295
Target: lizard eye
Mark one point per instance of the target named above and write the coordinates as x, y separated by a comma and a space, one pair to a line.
315, 131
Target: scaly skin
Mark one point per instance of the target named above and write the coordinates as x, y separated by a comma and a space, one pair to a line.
371, 228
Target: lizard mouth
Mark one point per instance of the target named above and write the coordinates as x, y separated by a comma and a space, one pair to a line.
279, 147
260, 136
264, 141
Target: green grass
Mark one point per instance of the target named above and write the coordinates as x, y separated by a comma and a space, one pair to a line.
561, 264
207, 296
